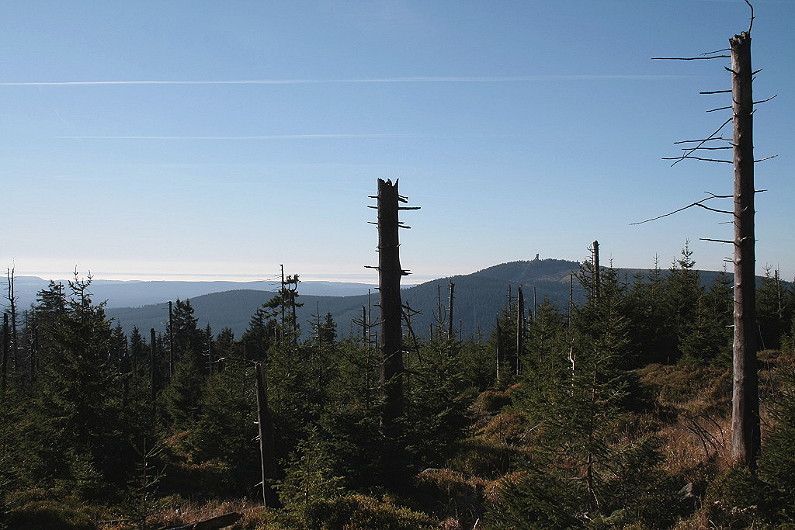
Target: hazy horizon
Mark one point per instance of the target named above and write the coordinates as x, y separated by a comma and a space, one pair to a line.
161, 140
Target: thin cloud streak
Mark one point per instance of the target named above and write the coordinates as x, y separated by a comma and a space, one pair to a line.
263, 137
383, 80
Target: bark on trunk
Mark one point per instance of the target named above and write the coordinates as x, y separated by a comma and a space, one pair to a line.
519, 327
746, 438
450, 326
266, 443
170, 341
596, 275
6, 338
389, 273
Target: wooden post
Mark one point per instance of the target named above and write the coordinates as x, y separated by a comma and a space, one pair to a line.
266, 442
746, 437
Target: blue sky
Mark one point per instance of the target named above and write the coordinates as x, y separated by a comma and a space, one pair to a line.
208, 139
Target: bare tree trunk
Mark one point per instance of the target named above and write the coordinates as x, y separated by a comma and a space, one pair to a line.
450, 311
389, 273
33, 355
519, 326
6, 348
210, 360
500, 353
596, 275
282, 291
170, 341
364, 326
746, 437
12, 306
571, 301
152, 368
266, 443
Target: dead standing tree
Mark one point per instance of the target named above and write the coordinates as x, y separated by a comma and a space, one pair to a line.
12, 308
450, 313
746, 435
520, 328
389, 274
6, 349
267, 445
746, 432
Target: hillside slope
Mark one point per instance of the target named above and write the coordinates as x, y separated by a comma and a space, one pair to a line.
479, 297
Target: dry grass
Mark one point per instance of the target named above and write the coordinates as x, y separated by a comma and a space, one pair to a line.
492, 489
177, 511
508, 427
456, 498
693, 442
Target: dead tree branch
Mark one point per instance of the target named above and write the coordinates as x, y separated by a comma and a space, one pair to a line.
700, 58
751, 22
700, 204
702, 142
677, 158
765, 100
709, 148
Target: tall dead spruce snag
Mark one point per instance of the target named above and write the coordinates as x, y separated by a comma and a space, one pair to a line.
746, 435
745, 430
389, 274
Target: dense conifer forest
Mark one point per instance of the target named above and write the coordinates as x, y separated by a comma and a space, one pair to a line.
612, 412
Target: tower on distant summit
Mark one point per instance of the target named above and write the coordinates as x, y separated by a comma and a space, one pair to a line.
537, 258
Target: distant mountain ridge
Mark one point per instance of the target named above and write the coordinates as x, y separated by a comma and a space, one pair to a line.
478, 298
136, 293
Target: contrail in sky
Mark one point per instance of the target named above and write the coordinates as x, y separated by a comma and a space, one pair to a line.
262, 137
382, 80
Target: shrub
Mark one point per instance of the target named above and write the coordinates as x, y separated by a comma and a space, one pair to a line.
737, 499
451, 493
534, 499
490, 402
508, 427
35, 513
777, 464
484, 458
358, 512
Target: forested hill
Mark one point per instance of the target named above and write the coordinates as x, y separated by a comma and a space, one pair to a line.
136, 293
478, 297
